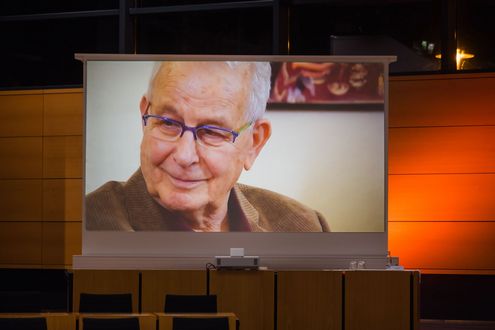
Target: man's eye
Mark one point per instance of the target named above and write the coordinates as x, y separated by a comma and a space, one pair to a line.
213, 135
169, 125
211, 132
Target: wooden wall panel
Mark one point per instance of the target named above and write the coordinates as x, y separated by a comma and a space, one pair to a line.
60, 321
62, 157
442, 158
157, 283
444, 245
21, 158
249, 295
105, 281
416, 302
452, 197
54, 321
378, 300
31, 147
20, 243
20, 200
442, 150
442, 100
61, 240
21, 115
309, 300
63, 114
62, 199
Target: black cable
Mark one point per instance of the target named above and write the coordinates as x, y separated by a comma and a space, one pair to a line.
140, 292
209, 266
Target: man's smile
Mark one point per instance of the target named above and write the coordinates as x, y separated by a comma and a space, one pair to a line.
185, 182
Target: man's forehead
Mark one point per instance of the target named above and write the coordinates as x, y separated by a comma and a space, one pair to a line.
195, 85
211, 69
203, 80
216, 118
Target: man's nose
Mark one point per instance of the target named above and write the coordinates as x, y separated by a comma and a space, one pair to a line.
185, 153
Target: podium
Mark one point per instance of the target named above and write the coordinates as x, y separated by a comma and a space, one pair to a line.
288, 299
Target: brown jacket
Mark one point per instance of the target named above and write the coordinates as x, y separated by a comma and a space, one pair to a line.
127, 206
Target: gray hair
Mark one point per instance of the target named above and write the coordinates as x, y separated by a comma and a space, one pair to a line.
259, 91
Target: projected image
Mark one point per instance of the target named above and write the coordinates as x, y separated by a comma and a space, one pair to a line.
189, 146
203, 124
307, 82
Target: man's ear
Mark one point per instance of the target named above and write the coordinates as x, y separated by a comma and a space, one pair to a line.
143, 105
262, 129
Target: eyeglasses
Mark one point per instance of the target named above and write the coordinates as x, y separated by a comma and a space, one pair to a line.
207, 135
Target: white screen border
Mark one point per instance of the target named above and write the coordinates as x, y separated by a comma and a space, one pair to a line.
319, 246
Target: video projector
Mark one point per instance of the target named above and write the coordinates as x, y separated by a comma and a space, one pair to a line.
237, 261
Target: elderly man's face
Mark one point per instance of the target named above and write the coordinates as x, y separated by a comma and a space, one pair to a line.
184, 175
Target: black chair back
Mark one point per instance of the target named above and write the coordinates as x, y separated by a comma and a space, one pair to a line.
20, 301
200, 323
125, 323
105, 303
23, 323
190, 303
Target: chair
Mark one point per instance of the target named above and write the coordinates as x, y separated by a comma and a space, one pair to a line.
23, 323
127, 323
190, 303
20, 301
105, 303
199, 323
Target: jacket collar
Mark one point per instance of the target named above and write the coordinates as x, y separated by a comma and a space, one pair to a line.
146, 214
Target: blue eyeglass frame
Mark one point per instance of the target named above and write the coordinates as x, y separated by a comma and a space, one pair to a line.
193, 130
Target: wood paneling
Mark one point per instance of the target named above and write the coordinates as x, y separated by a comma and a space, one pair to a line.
309, 300
441, 210
156, 284
21, 115
444, 245
442, 150
378, 300
443, 100
106, 281
61, 240
22, 92
20, 200
63, 114
249, 295
63, 91
416, 307
20, 243
62, 199
146, 321
54, 321
25, 117
451, 197
21, 158
60, 321
62, 157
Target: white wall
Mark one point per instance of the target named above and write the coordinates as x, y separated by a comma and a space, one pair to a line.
332, 161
